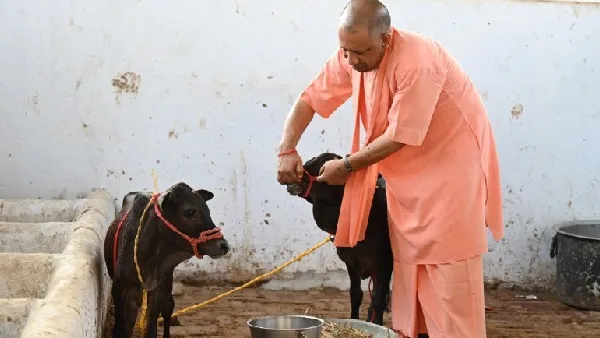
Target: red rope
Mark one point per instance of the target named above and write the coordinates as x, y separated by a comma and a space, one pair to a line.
291, 151
116, 241
311, 180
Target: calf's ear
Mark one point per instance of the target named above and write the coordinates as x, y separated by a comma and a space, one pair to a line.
205, 194
163, 198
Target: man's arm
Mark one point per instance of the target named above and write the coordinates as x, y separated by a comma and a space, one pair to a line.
295, 124
409, 116
374, 152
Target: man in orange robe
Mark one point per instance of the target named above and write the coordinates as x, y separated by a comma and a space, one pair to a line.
427, 133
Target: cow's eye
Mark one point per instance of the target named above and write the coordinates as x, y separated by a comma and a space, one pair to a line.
189, 212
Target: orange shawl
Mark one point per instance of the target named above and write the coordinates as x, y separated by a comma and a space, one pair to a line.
360, 187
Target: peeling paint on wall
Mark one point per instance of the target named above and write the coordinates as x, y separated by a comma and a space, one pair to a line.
517, 111
128, 82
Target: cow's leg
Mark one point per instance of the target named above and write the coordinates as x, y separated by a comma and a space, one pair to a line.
371, 317
119, 327
381, 288
356, 293
132, 300
168, 304
155, 303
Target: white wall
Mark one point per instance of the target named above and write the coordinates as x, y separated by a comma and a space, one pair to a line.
219, 77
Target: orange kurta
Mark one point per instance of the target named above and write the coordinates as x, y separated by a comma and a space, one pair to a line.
443, 187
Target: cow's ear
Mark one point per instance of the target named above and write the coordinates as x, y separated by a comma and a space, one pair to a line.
164, 198
205, 194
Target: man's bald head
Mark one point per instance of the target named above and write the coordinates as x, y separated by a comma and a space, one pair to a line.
366, 14
364, 33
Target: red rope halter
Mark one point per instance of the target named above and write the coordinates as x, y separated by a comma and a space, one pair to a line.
194, 242
311, 179
204, 235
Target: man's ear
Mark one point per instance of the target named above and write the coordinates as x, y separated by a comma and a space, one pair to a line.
386, 37
205, 194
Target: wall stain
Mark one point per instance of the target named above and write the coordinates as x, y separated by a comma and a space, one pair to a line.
32, 105
75, 26
517, 111
574, 4
128, 82
78, 84
295, 26
247, 244
173, 134
233, 184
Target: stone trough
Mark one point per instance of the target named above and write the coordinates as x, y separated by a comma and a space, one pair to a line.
53, 282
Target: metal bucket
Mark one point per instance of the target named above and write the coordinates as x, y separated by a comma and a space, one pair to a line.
576, 247
289, 326
376, 330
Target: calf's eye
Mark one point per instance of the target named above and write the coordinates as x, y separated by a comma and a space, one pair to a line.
189, 212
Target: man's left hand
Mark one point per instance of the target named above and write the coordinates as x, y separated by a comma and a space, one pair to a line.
333, 172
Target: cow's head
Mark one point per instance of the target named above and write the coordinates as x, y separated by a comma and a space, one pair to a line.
314, 191
186, 209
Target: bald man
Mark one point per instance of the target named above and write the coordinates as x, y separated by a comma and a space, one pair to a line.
427, 133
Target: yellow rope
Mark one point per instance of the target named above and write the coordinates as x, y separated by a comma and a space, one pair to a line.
253, 281
142, 319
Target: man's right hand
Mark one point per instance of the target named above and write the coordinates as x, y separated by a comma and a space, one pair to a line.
290, 169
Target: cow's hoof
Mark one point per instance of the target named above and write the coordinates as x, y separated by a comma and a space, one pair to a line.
175, 321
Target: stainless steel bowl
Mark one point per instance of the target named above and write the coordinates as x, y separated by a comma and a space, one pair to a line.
288, 326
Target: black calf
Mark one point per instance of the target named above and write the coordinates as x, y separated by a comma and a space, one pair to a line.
371, 257
176, 226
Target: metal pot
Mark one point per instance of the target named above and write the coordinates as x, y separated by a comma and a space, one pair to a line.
288, 326
576, 247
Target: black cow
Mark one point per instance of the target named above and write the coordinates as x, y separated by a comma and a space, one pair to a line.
162, 245
371, 257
